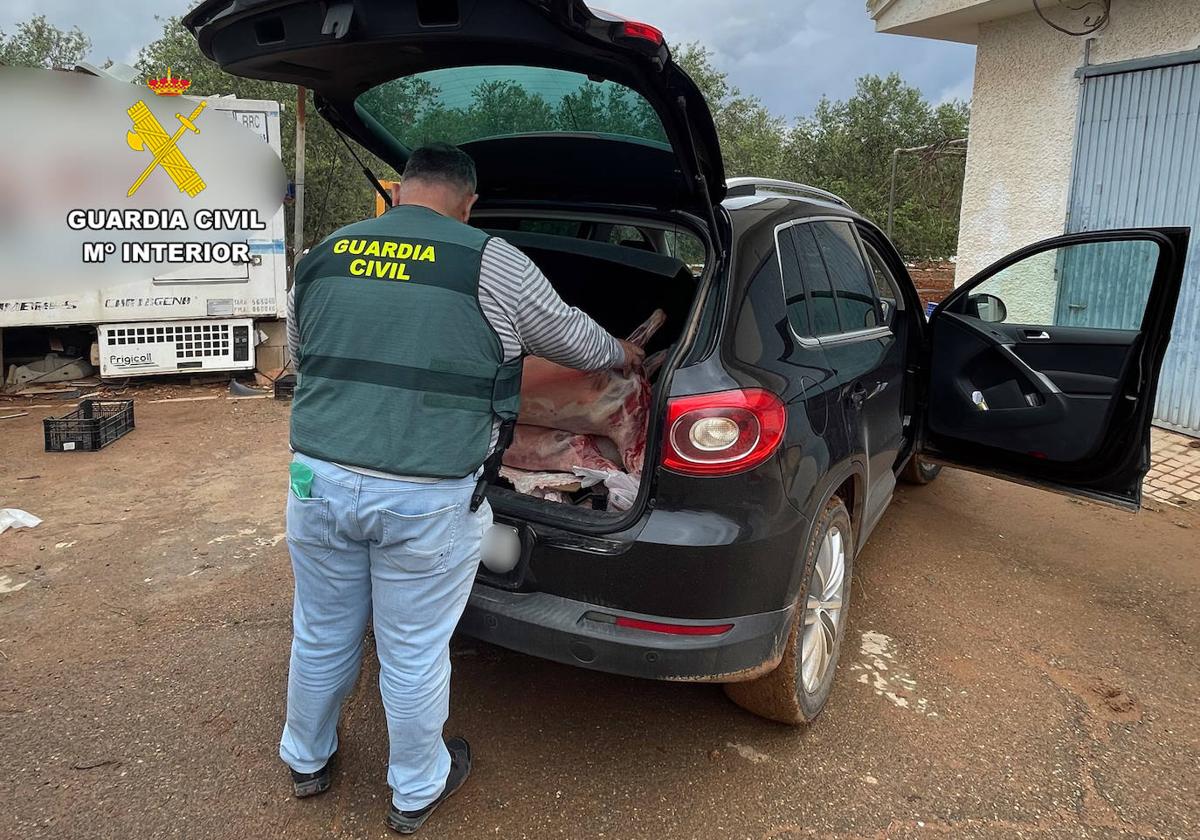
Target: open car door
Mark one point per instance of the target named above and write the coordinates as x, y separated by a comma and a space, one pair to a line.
1043, 368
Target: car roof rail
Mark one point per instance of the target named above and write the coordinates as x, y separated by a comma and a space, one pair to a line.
752, 186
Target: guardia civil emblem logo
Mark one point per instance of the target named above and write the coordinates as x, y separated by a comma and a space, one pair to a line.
149, 135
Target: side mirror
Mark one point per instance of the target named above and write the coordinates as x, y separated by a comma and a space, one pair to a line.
986, 308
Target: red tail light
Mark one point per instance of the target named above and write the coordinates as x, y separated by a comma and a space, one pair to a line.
723, 433
641, 31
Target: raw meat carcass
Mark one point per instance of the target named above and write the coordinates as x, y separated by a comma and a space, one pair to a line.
548, 463
552, 486
556, 486
642, 335
554, 450
608, 403
654, 363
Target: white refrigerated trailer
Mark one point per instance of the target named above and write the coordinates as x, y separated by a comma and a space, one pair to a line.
203, 317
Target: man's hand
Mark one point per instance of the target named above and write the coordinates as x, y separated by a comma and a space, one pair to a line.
634, 356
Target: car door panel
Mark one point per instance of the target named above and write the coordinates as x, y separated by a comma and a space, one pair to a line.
1060, 406
1079, 361
871, 372
1048, 397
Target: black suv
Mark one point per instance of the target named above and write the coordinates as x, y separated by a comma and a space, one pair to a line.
803, 378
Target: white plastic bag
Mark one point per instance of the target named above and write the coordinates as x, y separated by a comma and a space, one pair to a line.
13, 518
622, 487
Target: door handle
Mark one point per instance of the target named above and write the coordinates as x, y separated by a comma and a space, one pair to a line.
858, 395
1035, 335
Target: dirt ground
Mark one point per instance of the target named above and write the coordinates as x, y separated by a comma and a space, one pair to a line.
1018, 665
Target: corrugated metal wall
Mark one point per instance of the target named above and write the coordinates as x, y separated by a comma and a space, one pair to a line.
1105, 285
1137, 163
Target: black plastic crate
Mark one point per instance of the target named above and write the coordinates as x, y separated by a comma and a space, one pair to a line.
92, 426
285, 387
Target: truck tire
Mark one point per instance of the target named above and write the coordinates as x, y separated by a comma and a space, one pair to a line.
797, 690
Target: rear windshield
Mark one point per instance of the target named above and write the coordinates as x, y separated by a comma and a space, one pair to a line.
460, 104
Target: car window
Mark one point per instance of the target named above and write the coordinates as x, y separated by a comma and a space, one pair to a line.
554, 227
854, 289
822, 307
886, 286
1101, 285
688, 248
625, 233
794, 296
758, 330
461, 104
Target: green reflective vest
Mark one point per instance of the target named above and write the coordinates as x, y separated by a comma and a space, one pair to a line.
399, 370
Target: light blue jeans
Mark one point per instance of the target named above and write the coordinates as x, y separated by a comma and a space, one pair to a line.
405, 554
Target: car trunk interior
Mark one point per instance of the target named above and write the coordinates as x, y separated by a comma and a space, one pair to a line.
581, 438
619, 285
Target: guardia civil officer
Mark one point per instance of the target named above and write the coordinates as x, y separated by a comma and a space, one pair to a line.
407, 332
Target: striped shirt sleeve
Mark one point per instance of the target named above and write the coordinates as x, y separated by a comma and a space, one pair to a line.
530, 317
526, 313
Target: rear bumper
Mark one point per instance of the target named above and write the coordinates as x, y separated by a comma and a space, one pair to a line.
557, 628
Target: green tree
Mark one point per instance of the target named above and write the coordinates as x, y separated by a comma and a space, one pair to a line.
611, 109
502, 106
752, 138
39, 43
846, 146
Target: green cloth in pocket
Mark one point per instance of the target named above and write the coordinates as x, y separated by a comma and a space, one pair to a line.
302, 479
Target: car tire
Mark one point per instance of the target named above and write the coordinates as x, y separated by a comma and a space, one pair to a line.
919, 471
795, 692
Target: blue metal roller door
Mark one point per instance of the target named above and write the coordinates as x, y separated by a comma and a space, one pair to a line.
1137, 163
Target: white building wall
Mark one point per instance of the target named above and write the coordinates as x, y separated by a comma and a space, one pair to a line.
1023, 119
952, 20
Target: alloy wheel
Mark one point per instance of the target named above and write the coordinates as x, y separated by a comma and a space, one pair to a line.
823, 610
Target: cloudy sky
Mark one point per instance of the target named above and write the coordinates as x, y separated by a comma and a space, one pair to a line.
788, 52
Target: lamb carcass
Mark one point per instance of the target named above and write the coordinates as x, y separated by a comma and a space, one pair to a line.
608, 403
554, 450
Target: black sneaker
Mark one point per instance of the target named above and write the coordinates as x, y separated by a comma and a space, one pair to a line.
310, 784
407, 822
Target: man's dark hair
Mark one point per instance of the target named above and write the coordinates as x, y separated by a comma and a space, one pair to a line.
442, 162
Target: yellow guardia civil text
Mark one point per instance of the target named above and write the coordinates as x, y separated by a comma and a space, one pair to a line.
383, 259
